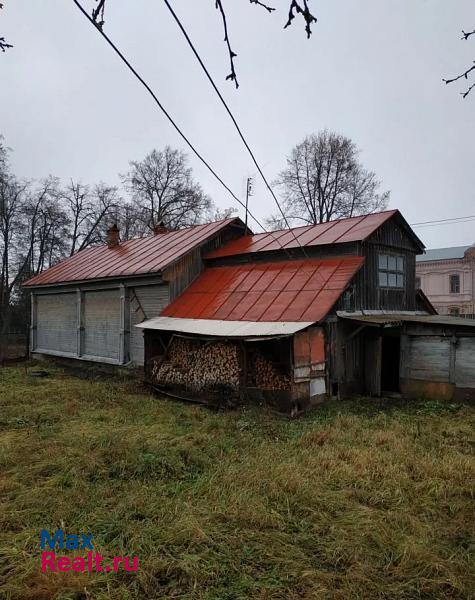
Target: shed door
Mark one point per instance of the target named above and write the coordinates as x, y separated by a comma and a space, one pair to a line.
102, 324
373, 350
429, 358
465, 363
145, 303
57, 323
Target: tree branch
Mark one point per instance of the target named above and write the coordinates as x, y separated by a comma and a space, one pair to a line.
232, 55
268, 8
294, 9
4, 45
463, 76
99, 12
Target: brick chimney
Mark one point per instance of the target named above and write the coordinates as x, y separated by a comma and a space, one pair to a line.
160, 228
113, 236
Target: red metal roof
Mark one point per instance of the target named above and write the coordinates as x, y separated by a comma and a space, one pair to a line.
291, 290
353, 229
139, 256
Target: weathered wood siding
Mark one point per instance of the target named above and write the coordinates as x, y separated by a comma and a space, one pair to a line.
102, 324
429, 358
186, 270
56, 319
146, 302
465, 363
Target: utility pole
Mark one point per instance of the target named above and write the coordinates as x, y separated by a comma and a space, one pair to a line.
248, 193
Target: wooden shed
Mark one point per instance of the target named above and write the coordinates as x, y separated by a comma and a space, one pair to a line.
415, 355
276, 353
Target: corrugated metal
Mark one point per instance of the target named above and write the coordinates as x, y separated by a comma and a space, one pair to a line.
292, 290
218, 328
443, 253
465, 363
134, 257
57, 323
145, 303
102, 324
354, 229
429, 358
412, 317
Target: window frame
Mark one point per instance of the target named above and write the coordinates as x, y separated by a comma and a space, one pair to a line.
392, 270
454, 277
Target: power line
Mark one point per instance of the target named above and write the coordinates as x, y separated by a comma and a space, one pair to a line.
452, 220
167, 114
233, 119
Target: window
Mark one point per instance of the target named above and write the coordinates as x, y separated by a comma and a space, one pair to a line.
391, 271
455, 284
418, 283
454, 311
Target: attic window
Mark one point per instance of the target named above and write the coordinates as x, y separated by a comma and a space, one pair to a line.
391, 271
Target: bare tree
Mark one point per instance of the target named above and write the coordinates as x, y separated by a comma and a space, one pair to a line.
324, 180
467, 72
88, 210
163, 189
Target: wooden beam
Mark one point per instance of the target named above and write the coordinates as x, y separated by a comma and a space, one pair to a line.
124, 337
80, 321
33, 320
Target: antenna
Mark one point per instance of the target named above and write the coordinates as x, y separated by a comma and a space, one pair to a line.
249, 185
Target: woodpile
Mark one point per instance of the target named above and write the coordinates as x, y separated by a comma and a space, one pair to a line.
198, 366
267, 376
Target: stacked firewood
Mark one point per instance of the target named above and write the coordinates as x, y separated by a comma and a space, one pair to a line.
267, 376
196, 366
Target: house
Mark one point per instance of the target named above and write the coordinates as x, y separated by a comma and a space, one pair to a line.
288, 317
447, 276
85, 307
292, 317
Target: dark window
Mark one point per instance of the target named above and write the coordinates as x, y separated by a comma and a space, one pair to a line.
391, 271
454, 311
418, 283
455, 284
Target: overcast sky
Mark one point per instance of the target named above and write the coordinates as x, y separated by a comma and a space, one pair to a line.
372, 71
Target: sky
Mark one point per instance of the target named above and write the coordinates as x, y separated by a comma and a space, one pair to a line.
372, 70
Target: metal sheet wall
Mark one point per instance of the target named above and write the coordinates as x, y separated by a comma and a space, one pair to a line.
429, 358
465, 363
102, 324
145, 302
57, 323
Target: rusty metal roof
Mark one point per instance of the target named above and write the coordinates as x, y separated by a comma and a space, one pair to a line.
291, 290
353, 229
138, 256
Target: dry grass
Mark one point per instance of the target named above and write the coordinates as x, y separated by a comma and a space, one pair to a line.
359, 500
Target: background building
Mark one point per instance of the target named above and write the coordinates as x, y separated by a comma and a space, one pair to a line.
447, 277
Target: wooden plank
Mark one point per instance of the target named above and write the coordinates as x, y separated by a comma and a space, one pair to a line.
373, 352
429, 358
465, 363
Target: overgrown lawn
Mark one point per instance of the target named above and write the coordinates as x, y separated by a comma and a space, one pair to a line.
360, 499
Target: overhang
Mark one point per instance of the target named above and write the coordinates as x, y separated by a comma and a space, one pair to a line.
395, 319
220, 328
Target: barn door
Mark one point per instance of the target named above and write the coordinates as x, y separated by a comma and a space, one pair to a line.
373, 351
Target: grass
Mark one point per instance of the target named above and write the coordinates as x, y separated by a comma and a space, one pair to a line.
360, 499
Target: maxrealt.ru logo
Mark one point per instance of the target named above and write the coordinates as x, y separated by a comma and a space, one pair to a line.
92, 562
